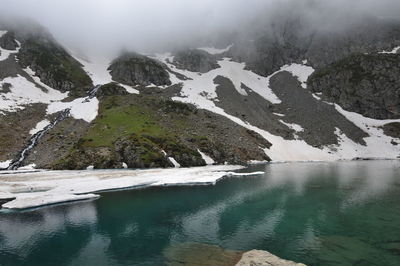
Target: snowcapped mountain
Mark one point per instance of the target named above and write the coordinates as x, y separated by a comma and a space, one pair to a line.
285, 96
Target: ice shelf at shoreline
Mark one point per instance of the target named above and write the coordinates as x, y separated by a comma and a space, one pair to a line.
50, 187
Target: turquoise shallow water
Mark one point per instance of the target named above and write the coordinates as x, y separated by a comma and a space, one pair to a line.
345, 213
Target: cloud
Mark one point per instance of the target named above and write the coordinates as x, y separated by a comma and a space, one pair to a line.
150, 24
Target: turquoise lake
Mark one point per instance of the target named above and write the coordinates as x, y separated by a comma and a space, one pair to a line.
341, 213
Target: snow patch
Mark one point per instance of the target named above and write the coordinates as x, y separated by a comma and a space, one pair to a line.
394, 51
293, 126
23, 92
129, 89
302, 72
5, 164
215, 51
39, 126
206, 158
201, 87
281, 115
81, 108
31, 166
174, 162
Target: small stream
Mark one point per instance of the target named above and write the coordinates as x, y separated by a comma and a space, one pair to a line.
19, 160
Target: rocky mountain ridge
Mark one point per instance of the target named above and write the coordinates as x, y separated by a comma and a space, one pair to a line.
287, 97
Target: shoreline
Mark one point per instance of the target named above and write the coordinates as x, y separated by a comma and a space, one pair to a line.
42, 188
31, 189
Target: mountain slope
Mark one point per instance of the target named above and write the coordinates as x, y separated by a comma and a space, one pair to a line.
299, 100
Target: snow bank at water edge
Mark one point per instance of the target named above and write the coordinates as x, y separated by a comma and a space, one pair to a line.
38, 201
36, 189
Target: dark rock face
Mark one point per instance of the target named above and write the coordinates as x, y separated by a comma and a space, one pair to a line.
134, 69
111, 89
292, 41
366, 84
55, 67
392, 130
318, 119
195, 60
7, 41
252, 108
298, 107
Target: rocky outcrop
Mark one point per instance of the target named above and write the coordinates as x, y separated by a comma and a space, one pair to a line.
195, 60
134, 69
198, 254
392, 129
7, 41
110, 89
54, 66
264, 258
364, 83
143, 131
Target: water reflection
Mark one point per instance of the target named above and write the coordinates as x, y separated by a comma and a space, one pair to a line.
317, 213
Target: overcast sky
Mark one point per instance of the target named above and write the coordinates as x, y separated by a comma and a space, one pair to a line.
144, 23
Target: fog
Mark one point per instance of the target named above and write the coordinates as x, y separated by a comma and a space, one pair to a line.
106, 25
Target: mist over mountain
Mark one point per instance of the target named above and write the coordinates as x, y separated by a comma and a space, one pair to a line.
109, 26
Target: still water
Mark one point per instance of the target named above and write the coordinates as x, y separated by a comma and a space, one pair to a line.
344, 213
